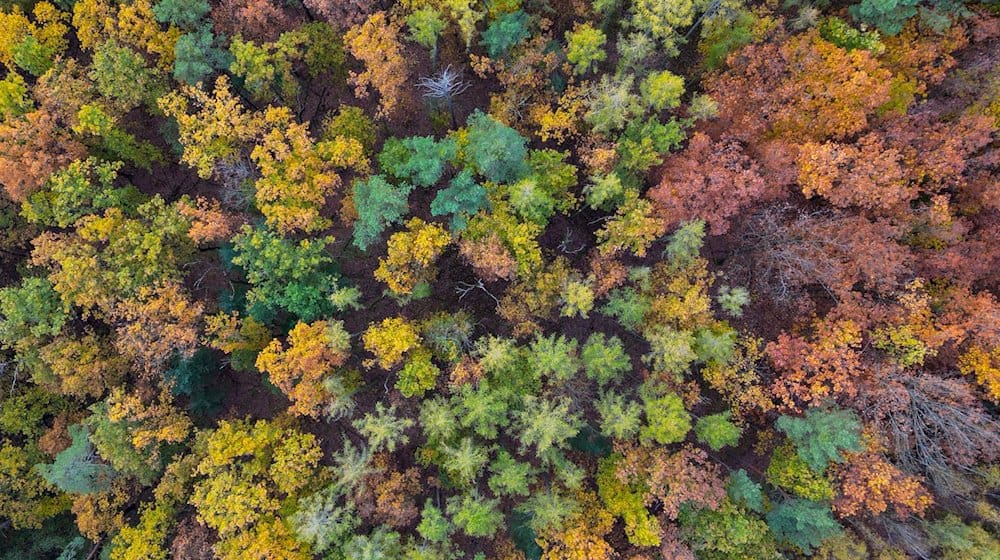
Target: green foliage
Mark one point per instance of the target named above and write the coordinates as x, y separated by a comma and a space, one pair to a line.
604, 192
434, 526
715, 344
613, 104
546, 424
788, 470
33, 56
685, 243
77, 469
350, 122
482, 409
621, 418
185, 14
667, 421
531, 202
379, 205
112, 440
957, 540
115, 142
462, 198
644, 143
419, 374
505, 33
448, 335
803, 523
419, 159
662, 90
197, 54
295, 277
665, 20
822, 434
886, 15
266, 69
438, 420
496, 150
742, 490
191, 376
120, 74
670, 351
626, 501
721, 36
85, 187
383, 428
425, 26
464, 461
14, 98
320, 522
585, 47
717, 430
510, 477
554, 357
577, 298
604, 359
840, 33
30, 310
902, 344
475, 515
549, 510
726, 533
628, 306
733, 300
324, 50
380, 544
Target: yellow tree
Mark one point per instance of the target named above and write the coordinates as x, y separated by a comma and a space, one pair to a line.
298, 174
390, 340
411, 256
314, 352
247, 471
159, 323
376, 43
214, 128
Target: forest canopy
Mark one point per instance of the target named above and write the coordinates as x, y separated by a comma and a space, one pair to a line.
499, 280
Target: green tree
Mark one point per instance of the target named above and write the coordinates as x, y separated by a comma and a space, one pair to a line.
285, 275
379, 205
420, 160
197, 54
426, 25
645, 142
662, 90
185, 14
464, 461
546, 424
78, 469
380, 544
604, 359
717, 430
506, 32
350, 122
462, 198
888, 16
419, 374
383, 428
585, 47
482, 409
33, 56
613, 104
496, 150
741, 489
14, 98
726, 533
667, 421
549, 510
822, 434
29, 311
554, 357
510, 477
670, 351
85, 187
434, 526
121, 75
474, 514
321, 522
803, 523
621, 417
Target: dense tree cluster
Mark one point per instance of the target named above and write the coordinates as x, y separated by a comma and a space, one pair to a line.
505, 280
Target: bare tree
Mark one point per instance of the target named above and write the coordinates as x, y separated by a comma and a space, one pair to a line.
444, 87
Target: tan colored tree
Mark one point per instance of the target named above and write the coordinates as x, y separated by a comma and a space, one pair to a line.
159, 323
